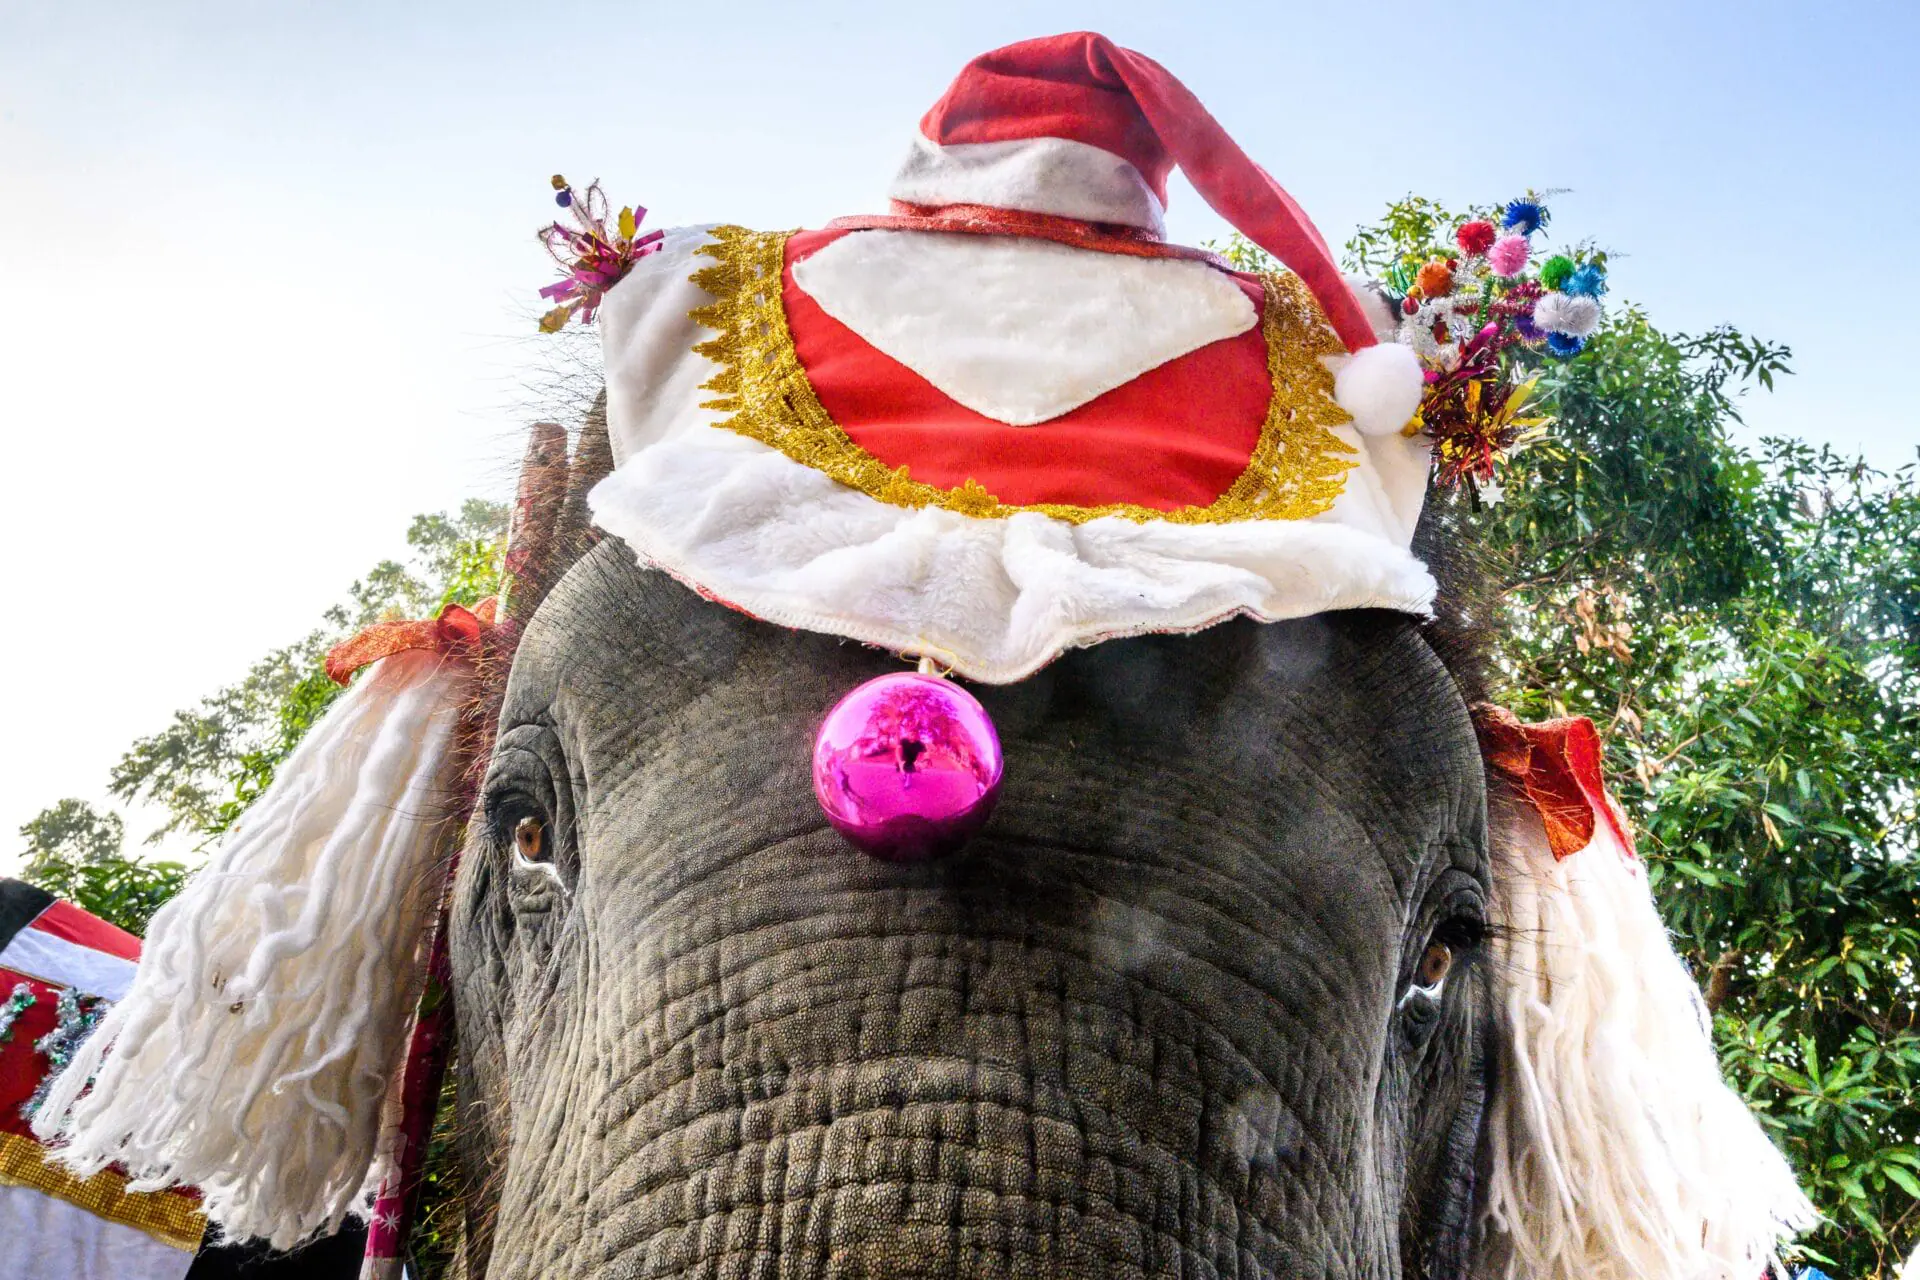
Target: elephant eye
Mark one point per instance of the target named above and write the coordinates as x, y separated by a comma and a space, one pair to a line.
530, 839
1435, 965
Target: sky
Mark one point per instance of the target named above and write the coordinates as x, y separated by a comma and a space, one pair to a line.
267, 269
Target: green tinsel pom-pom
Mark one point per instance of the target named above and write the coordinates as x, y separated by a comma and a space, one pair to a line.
1555, 270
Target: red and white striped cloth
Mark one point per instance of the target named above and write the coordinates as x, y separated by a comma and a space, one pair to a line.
54, 1226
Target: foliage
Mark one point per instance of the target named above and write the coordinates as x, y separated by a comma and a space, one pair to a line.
73, 831
1746, 624
74, 850
206, 767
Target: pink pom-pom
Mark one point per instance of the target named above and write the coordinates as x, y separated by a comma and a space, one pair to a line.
1509, 254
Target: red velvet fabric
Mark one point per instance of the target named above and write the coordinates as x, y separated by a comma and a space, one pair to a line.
1176, 436
1083, 87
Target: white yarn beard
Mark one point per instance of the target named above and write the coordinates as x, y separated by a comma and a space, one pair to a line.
252, 1055
1619, 1152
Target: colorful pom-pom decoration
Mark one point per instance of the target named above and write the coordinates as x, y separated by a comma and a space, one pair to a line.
593, 256
1589, 281
1509, 255
1435, 280
1569, 314
1524, 216
1475, 237
1475, 317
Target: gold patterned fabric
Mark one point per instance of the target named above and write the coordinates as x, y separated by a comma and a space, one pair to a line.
167, 1216
1297, 469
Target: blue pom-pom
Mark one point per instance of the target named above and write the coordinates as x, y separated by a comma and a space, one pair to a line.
1811, 1273
564, 199
1525, 216
1565, 345
1589, 281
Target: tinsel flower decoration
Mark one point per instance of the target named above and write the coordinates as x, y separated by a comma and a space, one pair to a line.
1476, 236
1474, 415
1588, 281
1435, 279
1476, 320
1572, 314
1509, 255
593, 256
1556, 270
1524, 217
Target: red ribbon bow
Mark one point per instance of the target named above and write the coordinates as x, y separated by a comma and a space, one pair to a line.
1555, 765
454, 633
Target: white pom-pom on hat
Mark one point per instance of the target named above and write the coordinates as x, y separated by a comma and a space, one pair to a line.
1571, 314
1380, 386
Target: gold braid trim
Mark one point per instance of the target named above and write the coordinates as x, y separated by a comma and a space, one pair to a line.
1295, 471
167, 1216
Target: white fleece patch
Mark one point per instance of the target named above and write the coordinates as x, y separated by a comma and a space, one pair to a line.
1018, 330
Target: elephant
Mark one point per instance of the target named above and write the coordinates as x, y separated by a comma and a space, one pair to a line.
1210, 996
1283, 953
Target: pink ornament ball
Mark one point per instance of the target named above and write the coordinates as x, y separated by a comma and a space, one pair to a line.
1509, 255
907, 767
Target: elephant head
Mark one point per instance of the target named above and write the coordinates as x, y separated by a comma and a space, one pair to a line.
1211, 995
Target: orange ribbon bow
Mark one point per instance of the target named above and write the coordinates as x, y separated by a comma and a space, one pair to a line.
456, 631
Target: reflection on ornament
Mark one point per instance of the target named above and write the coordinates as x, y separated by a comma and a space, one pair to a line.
907, 767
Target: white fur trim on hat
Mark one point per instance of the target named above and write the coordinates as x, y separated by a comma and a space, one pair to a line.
994, 599
1380, 386
1035, 175
1022, 330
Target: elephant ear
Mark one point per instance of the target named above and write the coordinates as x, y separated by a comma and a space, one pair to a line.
1617, 1150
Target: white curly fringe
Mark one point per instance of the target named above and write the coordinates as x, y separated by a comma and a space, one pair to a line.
269, 1011
1619, 1152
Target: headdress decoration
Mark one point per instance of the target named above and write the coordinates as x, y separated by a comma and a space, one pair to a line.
252, 1057
593, 255
1476, 317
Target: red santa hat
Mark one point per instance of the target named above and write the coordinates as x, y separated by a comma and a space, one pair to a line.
1075, 126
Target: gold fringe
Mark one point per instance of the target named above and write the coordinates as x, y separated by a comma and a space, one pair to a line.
167, 1216
1296, 470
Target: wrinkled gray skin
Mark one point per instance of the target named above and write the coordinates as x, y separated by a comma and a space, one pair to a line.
1153, 1022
